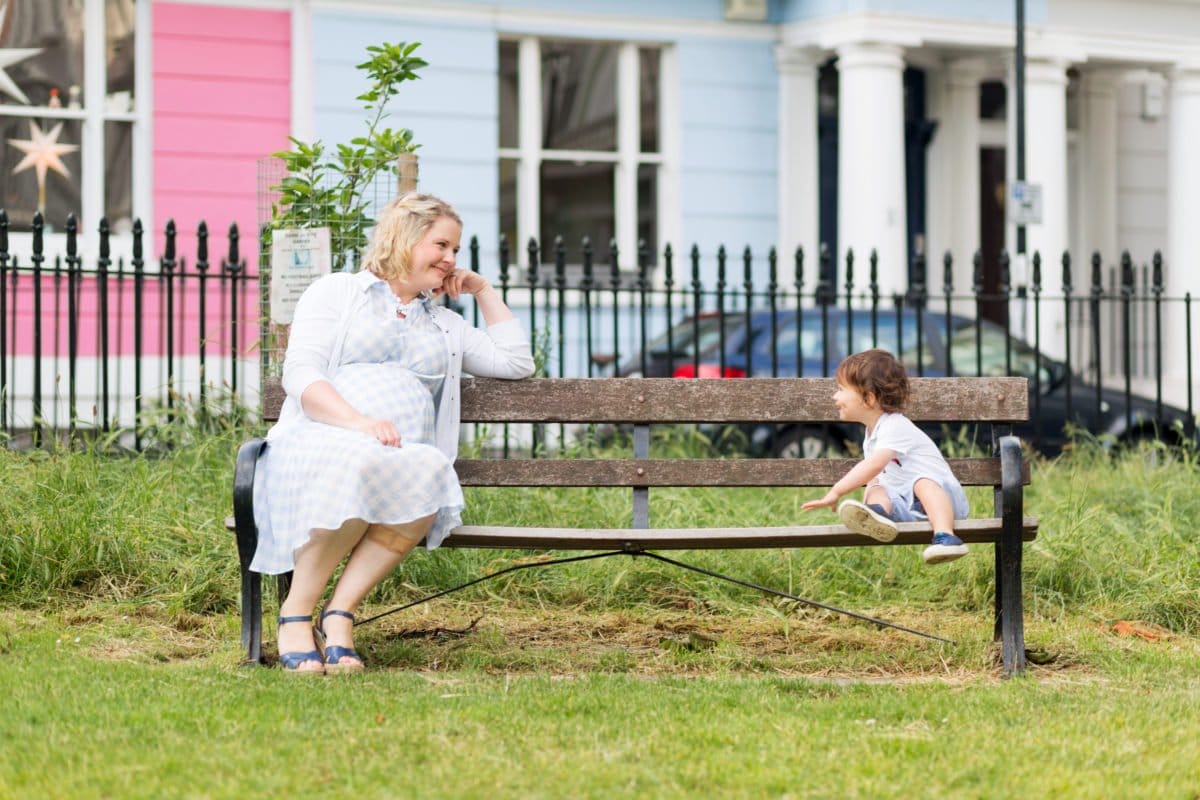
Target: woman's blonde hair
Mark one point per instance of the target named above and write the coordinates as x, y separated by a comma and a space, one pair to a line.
400, 226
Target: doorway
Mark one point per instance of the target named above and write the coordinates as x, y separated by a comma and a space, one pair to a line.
991, 230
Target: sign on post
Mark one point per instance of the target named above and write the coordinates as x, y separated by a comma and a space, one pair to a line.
298, 257
1024, 203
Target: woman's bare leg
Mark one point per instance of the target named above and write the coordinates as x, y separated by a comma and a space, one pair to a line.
380, 551
315, 563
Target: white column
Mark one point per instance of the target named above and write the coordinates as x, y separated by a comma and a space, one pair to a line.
1182, 267
798, 167
143, 127
529, 142
92, 144
1098, 177
628, 144
303, 123
1046, 166
871, 197
670, 115
960, 127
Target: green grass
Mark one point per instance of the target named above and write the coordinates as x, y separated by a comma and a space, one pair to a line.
121, 676
88, 719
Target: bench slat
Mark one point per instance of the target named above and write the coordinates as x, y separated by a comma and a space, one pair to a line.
671, 400
970, 530
690, 472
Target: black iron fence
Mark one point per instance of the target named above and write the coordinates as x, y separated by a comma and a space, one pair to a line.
92, 342
105, 344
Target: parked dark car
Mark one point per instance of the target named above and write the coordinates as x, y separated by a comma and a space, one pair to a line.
827, 336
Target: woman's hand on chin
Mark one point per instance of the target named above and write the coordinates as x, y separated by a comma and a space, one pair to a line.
463, 281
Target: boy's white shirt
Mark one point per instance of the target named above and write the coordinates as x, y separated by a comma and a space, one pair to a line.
914, 456
322, 320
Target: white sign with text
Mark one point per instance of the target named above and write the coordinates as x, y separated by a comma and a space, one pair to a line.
298, 257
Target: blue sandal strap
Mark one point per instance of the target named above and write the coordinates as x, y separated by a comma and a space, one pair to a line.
292, 661
297, 618
337, 612
335, 653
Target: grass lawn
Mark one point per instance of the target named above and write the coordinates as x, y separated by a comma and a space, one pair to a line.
620, 677
110, 702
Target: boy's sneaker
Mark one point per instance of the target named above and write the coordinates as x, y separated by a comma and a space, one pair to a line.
861, 518
945, 547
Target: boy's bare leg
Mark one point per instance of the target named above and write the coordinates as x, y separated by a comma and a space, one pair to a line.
877, 495
939, 508
937, 504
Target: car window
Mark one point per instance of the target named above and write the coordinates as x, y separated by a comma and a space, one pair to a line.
991, 349
685, 333
860, 335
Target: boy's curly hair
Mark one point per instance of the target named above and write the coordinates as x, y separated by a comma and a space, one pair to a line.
876, 372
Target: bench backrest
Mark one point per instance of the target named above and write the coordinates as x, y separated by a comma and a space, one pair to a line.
645, 401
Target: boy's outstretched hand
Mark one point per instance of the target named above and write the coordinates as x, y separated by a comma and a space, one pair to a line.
828, 501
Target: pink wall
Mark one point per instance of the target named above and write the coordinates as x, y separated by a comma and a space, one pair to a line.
22, 325
222, 101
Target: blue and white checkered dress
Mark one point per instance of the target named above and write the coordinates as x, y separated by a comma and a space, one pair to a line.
319, 475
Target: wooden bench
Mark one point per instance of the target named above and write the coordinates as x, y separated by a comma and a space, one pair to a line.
641, 402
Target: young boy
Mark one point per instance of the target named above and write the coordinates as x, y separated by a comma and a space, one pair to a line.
907, 478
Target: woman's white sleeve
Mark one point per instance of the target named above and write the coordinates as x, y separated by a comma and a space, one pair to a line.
500, 351
310, 341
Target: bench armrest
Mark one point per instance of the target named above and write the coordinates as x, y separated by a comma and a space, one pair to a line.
243, 500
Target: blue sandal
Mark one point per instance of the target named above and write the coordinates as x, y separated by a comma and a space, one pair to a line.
335, 653
291, 661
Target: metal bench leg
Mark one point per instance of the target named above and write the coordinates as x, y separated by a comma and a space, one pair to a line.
252, 616
247, 542
1008, 558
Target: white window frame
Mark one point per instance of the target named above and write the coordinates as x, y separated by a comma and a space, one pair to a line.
529, 155
93, 116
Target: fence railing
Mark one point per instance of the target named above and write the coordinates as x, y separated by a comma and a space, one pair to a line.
109, 345
117, 343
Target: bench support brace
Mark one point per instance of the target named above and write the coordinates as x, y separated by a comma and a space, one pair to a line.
665, 560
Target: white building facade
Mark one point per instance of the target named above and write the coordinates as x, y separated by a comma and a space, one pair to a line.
863, 125
885, 126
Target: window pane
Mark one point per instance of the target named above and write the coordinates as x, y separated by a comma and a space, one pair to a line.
21, 193
118, 175
648, 209
577, 201
648, 92
118, 36
54, 28
579, 96
508, 95
508, 202
992, 100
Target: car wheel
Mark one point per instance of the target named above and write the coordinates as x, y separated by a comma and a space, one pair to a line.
807, 442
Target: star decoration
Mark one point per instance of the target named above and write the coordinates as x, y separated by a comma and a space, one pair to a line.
10, 56
42, 151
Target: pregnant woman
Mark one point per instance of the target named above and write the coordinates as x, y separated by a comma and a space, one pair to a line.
360, 464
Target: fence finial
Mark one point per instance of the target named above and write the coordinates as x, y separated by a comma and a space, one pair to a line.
234, 256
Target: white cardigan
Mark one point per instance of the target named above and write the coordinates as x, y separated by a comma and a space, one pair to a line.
318, 333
